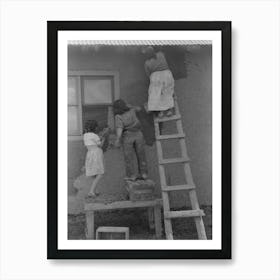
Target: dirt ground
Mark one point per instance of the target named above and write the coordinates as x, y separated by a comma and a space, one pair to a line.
137, 221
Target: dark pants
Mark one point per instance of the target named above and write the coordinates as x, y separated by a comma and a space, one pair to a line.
133, 142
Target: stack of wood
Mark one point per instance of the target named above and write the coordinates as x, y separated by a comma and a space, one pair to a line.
141, 190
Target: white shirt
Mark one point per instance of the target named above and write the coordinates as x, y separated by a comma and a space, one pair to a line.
91, 139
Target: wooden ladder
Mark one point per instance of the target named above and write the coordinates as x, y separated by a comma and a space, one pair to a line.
196, 212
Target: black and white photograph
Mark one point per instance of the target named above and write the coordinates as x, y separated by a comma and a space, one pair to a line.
140, 141
128, 156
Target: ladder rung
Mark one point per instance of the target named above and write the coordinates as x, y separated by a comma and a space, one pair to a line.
166, 119
170, 136
183, 214
173, 160
177, 188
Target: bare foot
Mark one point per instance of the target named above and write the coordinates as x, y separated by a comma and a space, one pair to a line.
92, 195
132, 178
144, 176
169, 113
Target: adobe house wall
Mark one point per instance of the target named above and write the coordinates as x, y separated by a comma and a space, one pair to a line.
194, 93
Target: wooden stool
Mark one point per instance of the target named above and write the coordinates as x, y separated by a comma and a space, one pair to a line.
112, 230
141, 190
153, 206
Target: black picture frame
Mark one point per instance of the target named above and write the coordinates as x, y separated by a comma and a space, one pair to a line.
52, 102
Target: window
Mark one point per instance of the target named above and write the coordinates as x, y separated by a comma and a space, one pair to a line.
73, 106
90, 97
97, 90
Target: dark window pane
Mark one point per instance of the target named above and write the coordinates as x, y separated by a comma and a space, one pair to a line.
98, 113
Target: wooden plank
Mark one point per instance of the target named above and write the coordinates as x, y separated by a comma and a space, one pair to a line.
89, 224
194, 203
176, 107
112, 229
173, 160
124, 230
157, 131
183, 147
183, 214
200, 228
159, 150
167, 119
170, 136
198, 220
151, 218
157, 219
194, 200
179, 126
188, 174
127, 235
177, 188
166, 206
167, 222
92, 73
122, 205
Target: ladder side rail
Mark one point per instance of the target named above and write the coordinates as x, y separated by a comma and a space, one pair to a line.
165, 197
189, 180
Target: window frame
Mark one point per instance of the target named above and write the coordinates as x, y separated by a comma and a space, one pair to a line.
81, 73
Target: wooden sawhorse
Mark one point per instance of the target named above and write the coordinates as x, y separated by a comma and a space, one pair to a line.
154, 216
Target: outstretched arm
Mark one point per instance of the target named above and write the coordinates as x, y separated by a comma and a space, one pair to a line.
136, 108
103, 135
102, 141
119, 132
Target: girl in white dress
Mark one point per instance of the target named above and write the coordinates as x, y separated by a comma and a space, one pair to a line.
94, 159
161, 89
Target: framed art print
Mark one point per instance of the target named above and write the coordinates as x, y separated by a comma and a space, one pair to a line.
139, 140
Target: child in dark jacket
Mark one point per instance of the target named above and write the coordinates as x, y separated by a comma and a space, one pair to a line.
128, 128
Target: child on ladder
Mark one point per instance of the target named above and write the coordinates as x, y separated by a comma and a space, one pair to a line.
94, 164
161, 88
128, 129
